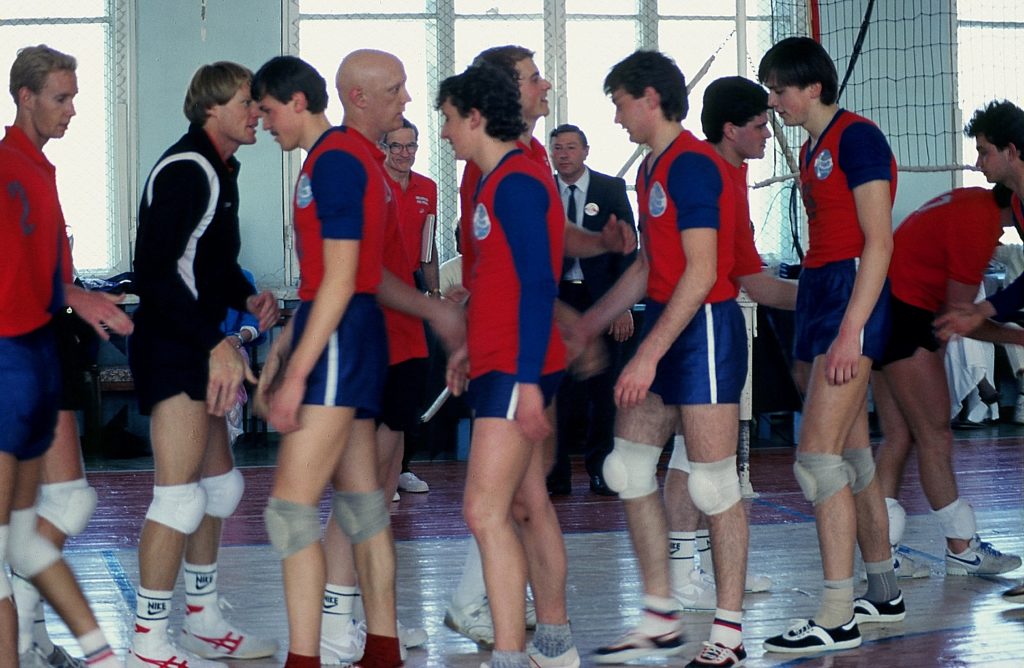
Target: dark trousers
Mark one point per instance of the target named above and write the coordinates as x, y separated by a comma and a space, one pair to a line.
586, 407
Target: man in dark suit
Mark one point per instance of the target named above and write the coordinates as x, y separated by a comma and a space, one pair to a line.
586, 410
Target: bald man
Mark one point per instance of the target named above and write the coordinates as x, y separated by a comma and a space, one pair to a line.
322, 384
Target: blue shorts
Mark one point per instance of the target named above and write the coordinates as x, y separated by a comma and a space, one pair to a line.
352, 368
495, 394
821, 302
707, 363
30, 373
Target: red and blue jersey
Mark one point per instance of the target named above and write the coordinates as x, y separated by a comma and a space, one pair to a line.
850, 152
36, 254
746, 259
30, 278
415, 203
471, 177
951, 237
512, 258
341, 195
685, 187
406, 338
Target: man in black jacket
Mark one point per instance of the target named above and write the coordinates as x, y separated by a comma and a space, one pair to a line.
586, 410
187, 372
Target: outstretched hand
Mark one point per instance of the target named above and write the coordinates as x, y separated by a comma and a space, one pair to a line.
618, 236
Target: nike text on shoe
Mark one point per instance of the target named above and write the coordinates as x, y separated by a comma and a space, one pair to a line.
718, 655
636, 644
866, 612
567, 659
980, 558
807, 637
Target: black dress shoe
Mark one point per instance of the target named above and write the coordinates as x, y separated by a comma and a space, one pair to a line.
599, 486
559, 487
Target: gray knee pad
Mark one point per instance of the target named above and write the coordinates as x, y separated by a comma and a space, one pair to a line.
631, 469
223, 492
361, 515
67, 505
28, 553
821, 476
291, 526
863, 463
180, 507
715, 486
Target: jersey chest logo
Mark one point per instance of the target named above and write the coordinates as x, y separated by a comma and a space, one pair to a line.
657, 201
481, 223
823, 165
303, 192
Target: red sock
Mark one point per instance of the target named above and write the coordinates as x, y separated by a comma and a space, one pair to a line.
380, 652
300, 661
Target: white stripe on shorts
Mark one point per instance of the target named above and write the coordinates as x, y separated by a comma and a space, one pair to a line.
709, 323
513, 402
331, 391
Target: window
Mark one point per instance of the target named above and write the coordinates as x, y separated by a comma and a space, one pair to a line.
87, 156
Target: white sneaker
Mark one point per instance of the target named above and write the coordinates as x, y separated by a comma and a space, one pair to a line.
397, 497
208, 635
410, 482
567, 659
906, 566
980, 558
411, 636
346, 649
697, 593
637, 644
474, 621
167, 653
755, 584
33, 658
806, 637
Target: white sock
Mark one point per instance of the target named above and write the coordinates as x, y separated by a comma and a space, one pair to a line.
97, 650
152, 617
704, 551
200, 592
26, 598
680, 555
471, 587
727, 629
336, 613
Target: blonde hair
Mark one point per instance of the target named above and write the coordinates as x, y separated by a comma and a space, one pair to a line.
211, 85
33, 64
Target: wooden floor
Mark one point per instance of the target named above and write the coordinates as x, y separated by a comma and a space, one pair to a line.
954, 621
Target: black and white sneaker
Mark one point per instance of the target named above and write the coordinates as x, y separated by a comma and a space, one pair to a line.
806, 637
867, 612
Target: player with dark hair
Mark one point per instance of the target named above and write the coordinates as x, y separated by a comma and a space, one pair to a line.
848, 183
512, 253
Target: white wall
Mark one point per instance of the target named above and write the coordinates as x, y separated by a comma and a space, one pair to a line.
169, 47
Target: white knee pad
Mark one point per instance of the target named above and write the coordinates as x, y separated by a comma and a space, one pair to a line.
631, 468
361, 515
957, 520
223, 492
863, 463
67, 505
180, 507
28, 553
821, 476
291, 526
5, 582
679, 461
897, 520
715, 486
